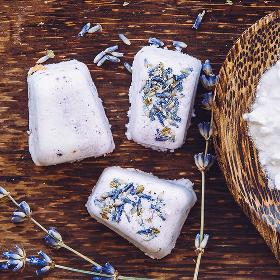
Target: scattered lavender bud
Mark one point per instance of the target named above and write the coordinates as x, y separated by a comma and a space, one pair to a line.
99, 56
128, 67
203, 162
207, 68
155, 42
198, 20
112, 58
117, 54
205, 130
111, 49
84, 30
179, 45
124, 39
49, 54
102, 60
125, 3
95, 28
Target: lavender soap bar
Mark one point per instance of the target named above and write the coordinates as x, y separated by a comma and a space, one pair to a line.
67, 121
161, 95
147, 211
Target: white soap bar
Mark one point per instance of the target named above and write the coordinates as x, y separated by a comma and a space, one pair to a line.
161, 95
147, 211
67, 121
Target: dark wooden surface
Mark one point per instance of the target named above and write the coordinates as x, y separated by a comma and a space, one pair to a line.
57, 194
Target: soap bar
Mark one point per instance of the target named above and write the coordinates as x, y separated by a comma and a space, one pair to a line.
147, 211
161, 95
67, 121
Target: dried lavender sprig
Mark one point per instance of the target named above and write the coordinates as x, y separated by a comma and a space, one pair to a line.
29, 216
17, 259
203, 162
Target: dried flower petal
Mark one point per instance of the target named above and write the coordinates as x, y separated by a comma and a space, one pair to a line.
205, 130
15, 259
42, 270
108, 268
203, 162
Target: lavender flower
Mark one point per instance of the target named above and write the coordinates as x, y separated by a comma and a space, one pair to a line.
207, 68
125, 39
106, 269
210, 82
15, 259
203, 162
3, 192
21, 213
207, 100
53, 238
205, 130
43, 261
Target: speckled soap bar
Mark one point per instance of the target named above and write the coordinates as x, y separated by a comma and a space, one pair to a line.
147, 211
67, 121
161, 95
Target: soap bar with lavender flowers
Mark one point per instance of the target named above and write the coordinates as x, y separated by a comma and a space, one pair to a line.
67, 121
161, 95
147, 211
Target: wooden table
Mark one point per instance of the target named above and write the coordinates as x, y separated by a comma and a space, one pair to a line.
57, 194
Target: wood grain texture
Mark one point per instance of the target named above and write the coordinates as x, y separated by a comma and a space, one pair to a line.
57, 194
253, 54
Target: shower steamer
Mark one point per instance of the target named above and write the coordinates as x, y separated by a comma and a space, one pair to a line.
161, 95
67, 121
147, 211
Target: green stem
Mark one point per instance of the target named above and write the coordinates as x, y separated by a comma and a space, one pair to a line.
79, 254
